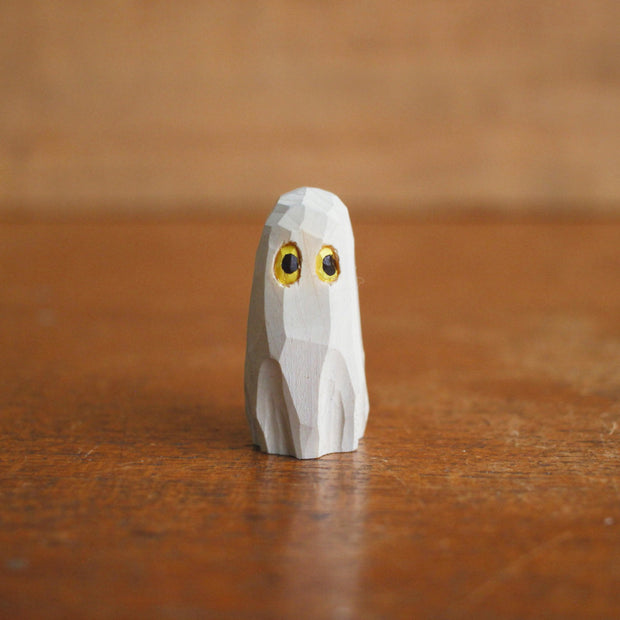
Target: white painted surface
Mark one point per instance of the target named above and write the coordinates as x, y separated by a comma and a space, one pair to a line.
305, 385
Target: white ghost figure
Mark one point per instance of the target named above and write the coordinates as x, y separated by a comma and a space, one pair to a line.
305, 386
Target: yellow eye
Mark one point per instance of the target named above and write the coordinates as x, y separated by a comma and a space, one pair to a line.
287, 266
327, 264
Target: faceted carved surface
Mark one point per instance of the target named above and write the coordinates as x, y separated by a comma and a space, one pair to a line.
305, 386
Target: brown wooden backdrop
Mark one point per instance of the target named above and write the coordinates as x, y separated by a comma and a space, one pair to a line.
168, 106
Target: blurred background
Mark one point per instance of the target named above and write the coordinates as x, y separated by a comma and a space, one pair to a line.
189, 106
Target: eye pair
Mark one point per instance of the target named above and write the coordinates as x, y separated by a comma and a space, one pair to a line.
287, 265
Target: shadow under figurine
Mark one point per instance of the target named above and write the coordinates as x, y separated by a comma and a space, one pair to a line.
305, 386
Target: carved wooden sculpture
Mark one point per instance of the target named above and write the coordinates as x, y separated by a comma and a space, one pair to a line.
305, 386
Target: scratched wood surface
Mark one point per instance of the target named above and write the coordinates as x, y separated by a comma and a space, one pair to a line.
487, 486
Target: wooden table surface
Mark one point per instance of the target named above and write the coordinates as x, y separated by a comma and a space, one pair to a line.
487, 486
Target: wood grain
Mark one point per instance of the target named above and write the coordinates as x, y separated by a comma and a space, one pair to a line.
487, 485
154, 106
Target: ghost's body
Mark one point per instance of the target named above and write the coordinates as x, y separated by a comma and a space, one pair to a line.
305, 386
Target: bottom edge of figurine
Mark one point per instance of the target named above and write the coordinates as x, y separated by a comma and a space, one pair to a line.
302, 457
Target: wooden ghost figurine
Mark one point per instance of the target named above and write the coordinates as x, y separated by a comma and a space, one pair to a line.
305, 386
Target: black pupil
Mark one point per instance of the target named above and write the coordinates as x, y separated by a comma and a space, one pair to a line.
290, 264
329, 265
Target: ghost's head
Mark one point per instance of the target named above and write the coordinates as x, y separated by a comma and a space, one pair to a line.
310, 280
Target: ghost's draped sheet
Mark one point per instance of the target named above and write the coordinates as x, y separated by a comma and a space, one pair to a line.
305, 385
